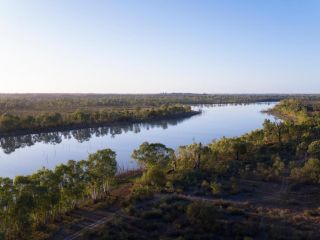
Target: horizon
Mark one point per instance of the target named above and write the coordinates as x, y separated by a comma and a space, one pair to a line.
150, 93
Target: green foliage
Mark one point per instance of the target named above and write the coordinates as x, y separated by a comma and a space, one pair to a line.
154, 176
314, 148
215, 188
194, 156
102, 167
202, 215
272, 171
141, 193
78, 118
65, 102
153, 154
32, 201
188, 179
9, 122
310, 172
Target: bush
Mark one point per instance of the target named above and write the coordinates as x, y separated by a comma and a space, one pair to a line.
310, 172
152, 214
314, 148
154, 177
215, 188
202, 215
234, 188
205, 185
188, 179
140, 193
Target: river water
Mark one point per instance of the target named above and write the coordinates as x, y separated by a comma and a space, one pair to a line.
22, 155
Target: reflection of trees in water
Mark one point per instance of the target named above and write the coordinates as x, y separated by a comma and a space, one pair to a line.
10, 144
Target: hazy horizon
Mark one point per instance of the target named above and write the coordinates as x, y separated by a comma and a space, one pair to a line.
214, 47
152, 93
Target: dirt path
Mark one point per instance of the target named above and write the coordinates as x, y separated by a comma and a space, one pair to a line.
90, 218
92, 226
259, 194
270, 195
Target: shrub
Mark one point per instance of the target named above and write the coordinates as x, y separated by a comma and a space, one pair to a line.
215, 188
310, 172
9, 122
152, 214
188, 179
202, 215
234, 186
314, 148
142, 193
205, 184
154, 177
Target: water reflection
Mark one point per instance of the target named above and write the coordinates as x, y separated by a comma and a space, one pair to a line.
10, 144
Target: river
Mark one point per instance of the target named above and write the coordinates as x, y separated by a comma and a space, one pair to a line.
22, 155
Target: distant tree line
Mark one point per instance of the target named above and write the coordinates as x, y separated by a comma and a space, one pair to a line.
86, 118
70, 102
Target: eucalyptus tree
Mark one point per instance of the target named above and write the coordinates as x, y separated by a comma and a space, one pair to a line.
193, 156
102, 167
153, 154
314, 148
7, 200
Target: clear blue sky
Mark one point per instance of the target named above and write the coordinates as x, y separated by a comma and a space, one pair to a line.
150, 46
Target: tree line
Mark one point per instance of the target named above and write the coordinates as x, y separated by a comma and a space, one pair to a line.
22, 103
279, 149
10, 143
86, 118
29, 202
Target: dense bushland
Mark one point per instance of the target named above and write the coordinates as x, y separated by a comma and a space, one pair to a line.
84, 118
71, 102
28, 203
281, 151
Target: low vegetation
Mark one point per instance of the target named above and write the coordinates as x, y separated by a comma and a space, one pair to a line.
262, 185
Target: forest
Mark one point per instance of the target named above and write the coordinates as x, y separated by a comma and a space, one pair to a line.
46, 121
31, 104
262, 185
30, 113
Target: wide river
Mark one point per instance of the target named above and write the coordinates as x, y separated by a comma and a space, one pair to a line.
22, 155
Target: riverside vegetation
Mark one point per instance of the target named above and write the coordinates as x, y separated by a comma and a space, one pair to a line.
28, 113
262, 185
12, 124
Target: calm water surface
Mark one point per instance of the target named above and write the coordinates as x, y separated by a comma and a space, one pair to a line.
23, 155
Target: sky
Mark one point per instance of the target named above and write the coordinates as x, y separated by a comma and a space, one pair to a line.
143, 46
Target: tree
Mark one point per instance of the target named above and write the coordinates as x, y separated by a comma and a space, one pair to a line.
102, 167
314, 148
239, 147
273, 130
152, 154
193, 156
80, 117
9, 122
310, 172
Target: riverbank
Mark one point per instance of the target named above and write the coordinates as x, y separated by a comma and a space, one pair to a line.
20, 132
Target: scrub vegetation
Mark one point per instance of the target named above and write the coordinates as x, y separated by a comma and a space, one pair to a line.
262, 185
48, 121
30, 113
